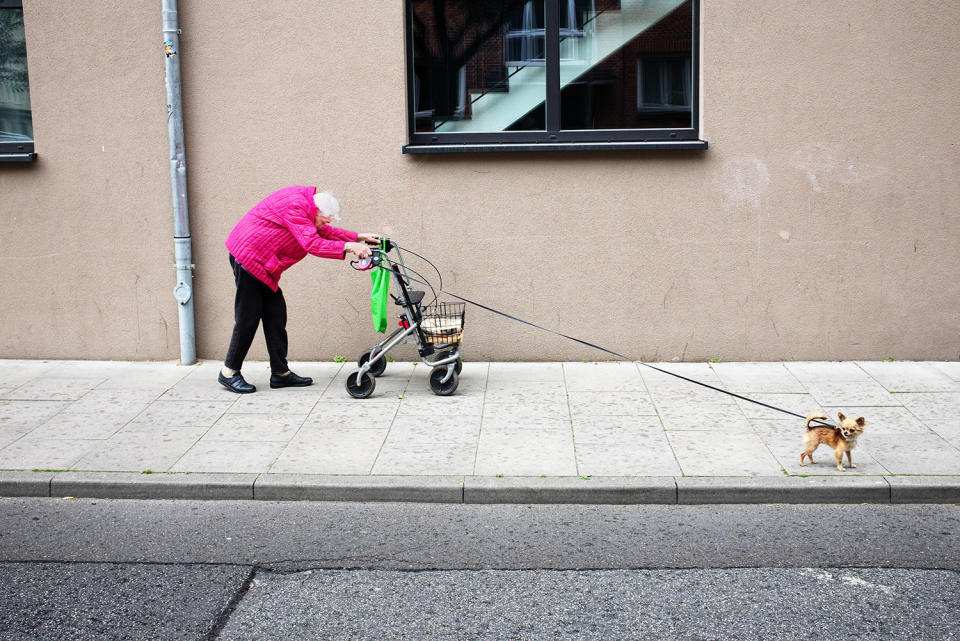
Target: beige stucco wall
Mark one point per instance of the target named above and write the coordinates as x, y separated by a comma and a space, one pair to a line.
822, 223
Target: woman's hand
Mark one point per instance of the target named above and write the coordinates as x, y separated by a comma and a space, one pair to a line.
357, 249
372, 239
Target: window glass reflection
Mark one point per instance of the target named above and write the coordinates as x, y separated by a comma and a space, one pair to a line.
478, 65
16, 124
633, 67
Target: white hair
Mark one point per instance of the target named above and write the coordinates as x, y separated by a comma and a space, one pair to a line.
327, 204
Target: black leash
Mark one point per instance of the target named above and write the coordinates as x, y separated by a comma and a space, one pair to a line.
604, 349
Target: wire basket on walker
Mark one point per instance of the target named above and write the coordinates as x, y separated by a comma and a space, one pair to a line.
436, 329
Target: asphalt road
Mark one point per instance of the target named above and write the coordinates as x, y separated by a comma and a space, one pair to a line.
101, 569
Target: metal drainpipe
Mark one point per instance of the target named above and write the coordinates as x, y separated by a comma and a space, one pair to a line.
183, 292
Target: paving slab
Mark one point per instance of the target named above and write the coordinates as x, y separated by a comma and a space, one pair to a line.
352, 413
586, 403
950, 369
910, 377
758, 378
870, 394
722, 454
603, 377
820, 372
126, 402
614, 429
529, 452
524, 411
689, 394
147, 376
593, 490
133, 452
14, 373
44, 453
932, 406
665, 376
304, 487
53, 389
421, 402
507, 391
82, 425
331, 451
255, 427
916, 454
802, 404
505, 424
783, 489
229, 456
644, 454
85, 369
12, 433
28, 414
701, 416
428, 459
183, 413
509, 373
127, 485
948, 430
424, 430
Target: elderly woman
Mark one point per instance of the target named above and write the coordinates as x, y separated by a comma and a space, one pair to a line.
273, 236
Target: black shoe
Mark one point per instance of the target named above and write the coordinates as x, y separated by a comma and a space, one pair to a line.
236, 383
290, 380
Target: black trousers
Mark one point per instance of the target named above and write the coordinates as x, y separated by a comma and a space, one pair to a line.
255, 302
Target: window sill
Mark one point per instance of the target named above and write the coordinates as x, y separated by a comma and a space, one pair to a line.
30, 157
555, 146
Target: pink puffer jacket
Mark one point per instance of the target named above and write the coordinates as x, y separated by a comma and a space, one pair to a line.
280, 231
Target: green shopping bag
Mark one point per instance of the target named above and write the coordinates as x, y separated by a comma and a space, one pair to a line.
378, 297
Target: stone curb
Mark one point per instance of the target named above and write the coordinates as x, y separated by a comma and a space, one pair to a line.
924, 489
783, 489
132, 485
485, 490
595, 490
25, 483
303, 487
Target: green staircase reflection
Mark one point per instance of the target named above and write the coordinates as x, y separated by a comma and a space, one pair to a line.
609, 31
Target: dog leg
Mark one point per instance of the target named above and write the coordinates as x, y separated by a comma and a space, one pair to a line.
850, 459
804, 453
839, 455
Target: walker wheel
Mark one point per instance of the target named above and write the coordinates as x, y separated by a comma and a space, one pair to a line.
458, 367
377, 368
443, 389
365, 389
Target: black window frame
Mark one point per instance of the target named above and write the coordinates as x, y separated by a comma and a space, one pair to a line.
552, 138
16, 151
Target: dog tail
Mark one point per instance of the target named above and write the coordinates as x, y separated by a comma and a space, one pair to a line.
811, 417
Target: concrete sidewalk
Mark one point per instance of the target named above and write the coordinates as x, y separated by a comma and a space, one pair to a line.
615, 432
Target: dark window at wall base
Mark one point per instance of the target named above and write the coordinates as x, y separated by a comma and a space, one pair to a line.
520, 72
16, 120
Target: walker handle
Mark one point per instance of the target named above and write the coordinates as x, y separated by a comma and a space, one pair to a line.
372, 261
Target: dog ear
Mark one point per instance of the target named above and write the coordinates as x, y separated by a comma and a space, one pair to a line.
861, 421
841, 416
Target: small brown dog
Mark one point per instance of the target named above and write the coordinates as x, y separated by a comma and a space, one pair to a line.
842, 438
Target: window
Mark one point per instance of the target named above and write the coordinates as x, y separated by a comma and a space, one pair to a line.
503, 75
16, 123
